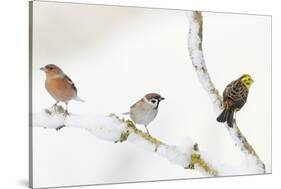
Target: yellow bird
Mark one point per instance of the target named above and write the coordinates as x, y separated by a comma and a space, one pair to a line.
234, 97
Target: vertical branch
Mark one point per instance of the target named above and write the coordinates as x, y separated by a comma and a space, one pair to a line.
195, 39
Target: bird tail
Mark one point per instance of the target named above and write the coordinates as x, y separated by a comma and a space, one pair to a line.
223, 116
230, 118
226, 116
77, 98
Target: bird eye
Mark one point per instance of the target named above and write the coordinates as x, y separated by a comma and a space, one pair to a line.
153, 101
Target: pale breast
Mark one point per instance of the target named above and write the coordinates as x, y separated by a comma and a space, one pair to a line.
60, 89
143, 114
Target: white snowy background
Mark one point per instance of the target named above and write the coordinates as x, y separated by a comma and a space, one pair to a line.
115, 55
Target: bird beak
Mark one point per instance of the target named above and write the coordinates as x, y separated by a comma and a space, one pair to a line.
43, 69
161, 98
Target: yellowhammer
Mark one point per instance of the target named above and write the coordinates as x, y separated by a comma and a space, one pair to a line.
234, 97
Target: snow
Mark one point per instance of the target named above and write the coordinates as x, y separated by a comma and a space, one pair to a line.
175, 155
247, 166
254, 165
112, 84
198, 60
110, 128
179, 155
103, 127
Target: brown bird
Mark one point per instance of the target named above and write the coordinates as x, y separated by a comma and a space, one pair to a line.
234, 97
145, 110
60, 86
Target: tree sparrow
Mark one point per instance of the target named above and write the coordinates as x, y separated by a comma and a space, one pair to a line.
146, 109
59, 86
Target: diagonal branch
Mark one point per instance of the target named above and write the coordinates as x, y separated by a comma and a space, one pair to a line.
115, 129
195, 39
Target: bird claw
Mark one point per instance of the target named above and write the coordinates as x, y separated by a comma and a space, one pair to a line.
55, 108
66, 113
147, 132
190, 166
60, 127
156, 148
48, 111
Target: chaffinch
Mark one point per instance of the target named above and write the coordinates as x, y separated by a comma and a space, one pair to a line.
60, 86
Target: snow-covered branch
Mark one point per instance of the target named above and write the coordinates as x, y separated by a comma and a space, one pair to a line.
115, 129
196, 54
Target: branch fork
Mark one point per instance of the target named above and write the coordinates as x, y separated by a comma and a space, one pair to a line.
115, 129
195, 39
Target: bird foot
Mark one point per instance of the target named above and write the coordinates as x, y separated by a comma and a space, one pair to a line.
156, 148
60, 127
55, 109
190, 166
66, 113
59, 109
147, 132
48, 111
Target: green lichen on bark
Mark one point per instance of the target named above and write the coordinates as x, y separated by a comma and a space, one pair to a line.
247, 147
131, 128
196, 159
58, 109
199, 19
124, 136
197, 22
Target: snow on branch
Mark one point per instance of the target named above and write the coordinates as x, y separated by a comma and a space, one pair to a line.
115, 129
195, 39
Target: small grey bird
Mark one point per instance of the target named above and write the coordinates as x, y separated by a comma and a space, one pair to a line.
146, 109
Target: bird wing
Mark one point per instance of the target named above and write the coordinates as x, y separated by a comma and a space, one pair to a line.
237, 92
71, 83
137, 103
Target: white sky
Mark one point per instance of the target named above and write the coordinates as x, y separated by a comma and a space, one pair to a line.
115, 55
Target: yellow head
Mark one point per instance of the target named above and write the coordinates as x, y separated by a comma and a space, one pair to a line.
246, 80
